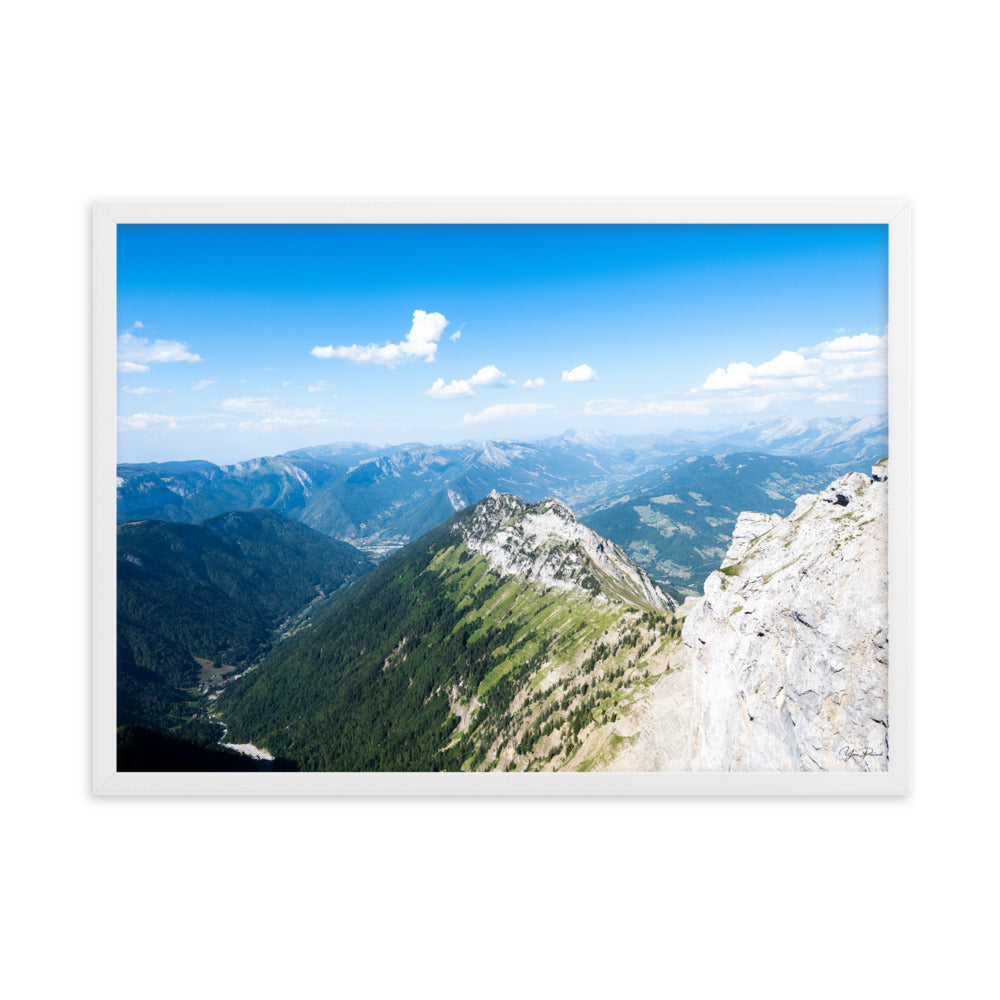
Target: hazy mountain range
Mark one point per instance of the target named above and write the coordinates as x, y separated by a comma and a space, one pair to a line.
380, 498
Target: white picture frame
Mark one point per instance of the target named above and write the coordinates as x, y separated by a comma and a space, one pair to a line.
107, 215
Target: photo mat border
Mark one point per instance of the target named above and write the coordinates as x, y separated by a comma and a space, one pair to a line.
107, 215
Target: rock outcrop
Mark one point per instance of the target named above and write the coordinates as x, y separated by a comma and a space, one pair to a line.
788, 649
545, 543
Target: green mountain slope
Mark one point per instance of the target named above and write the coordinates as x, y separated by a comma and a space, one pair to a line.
677, 523
450, 655
214, 592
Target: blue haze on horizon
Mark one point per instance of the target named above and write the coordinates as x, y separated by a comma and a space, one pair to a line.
242, 340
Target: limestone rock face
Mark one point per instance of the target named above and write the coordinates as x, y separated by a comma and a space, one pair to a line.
546, 544
788, 649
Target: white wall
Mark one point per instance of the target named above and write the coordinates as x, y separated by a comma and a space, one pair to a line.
493, 898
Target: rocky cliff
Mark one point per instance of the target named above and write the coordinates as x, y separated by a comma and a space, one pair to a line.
545, 544
788, 649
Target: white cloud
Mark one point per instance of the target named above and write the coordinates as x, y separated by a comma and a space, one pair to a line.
136, 354
738, 375
581, 373
321, 386
172, 422
265, 415
420, 342
874, 367
489, 375
245, 404
290, 418
202, 383
800, 377
258, 413
450, 390
505, 410
852, 359
808, 368
743, 375
456, 335
139, 390
533, 383
788, 364
841, 329
850, 347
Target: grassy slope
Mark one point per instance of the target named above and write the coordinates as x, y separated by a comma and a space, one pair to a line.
433, 662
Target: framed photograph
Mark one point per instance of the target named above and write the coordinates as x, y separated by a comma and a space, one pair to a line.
521, 498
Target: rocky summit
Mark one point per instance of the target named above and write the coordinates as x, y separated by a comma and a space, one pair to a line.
545, 544
788, 649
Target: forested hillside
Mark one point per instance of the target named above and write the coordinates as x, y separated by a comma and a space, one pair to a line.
440, 659
199, 601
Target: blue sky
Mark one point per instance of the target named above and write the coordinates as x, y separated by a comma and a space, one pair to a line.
238, 341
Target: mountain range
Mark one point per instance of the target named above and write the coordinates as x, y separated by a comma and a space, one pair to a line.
512, 637
508, 605
378, 499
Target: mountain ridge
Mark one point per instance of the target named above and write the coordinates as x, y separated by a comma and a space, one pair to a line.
443, 658
545, 542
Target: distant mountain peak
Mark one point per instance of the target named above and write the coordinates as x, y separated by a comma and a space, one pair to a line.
545, 544
492, 454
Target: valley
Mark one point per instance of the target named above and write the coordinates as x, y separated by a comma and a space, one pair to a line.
197, 603
677, 522
513, 634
